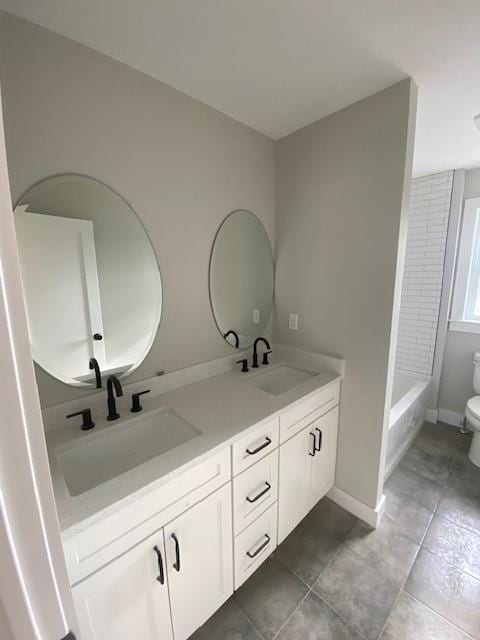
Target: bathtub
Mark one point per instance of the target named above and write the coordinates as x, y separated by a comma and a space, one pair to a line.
410, 397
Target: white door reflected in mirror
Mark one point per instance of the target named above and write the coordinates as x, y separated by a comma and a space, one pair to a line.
91, 280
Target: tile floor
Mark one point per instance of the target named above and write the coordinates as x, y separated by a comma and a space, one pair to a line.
416, 577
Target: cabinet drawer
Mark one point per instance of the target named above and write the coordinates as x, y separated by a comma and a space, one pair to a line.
295, 419
255, 544
254, 446
254, 491
107, 539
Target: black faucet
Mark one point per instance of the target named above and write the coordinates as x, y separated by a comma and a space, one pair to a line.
93, 364
113, 383
265, 355
235, 335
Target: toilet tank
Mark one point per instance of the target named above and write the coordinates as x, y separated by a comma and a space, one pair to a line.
476, 372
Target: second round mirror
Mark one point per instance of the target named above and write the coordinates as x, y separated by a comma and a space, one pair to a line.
241, 278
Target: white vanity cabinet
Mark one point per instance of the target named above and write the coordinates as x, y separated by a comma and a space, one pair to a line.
162, 565
184, 569
307, 470
127, 598
199, 562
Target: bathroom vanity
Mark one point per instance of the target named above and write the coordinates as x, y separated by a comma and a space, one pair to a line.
173, 490
179, 532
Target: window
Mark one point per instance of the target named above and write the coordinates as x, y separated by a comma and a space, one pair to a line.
465, 314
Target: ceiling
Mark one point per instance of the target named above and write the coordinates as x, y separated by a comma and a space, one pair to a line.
278, 65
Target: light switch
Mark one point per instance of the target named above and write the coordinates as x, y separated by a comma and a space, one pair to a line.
256, 316
293, 322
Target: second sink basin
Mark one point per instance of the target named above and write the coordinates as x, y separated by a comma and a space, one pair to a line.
121, 448
280, 379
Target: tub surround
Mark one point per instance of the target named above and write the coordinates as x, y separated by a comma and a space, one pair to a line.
222, 406
410, 400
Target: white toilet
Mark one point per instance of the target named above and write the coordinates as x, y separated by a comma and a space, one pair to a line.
472, 413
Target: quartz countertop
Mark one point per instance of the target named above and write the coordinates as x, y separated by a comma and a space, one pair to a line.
222, 407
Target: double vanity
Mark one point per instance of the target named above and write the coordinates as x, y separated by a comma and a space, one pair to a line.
164, 513
173, 490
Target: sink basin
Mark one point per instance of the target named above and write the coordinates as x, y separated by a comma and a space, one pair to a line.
280, 379
124, 447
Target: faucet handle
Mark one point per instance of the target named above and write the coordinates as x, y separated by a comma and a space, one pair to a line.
87, 422
265, 357
244, 363
136, 406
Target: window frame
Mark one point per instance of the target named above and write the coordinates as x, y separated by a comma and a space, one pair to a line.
467, 275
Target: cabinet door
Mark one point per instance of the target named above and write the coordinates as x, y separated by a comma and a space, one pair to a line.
125, 600
324, 461
294, 481
200, 561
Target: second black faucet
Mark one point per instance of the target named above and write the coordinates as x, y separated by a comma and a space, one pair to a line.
265, 353
113, 383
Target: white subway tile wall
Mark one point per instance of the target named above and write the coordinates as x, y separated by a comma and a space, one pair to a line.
422, 280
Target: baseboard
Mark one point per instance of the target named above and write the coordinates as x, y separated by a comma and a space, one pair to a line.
432, 416
357, 508
450, 417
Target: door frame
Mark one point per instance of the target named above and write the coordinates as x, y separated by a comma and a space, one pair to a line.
34, 592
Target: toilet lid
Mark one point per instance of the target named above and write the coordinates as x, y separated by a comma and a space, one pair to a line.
473, 406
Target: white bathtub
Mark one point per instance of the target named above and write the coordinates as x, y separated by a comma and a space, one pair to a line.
410, 399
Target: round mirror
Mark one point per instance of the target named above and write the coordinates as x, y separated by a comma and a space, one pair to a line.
90, 277
241, 278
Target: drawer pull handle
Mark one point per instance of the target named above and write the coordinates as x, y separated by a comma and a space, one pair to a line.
262, 446
176, 564
260, 548
268, 486
161, 575
320, 438
312, 453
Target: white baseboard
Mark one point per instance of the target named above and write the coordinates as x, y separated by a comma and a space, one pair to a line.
432, 416
357, 508
450, 417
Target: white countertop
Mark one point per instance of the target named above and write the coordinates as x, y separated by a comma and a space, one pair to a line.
222, 407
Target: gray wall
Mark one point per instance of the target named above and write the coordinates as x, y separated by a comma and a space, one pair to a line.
340, 188
456, 382
182, 165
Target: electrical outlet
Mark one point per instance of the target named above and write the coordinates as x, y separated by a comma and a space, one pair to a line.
256, 316
293, 322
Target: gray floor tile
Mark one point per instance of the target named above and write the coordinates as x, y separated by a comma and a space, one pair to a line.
269, 596
442, 434
411, 620
311, 545
314, 620
428, 460
331, 519
446, 590
408, 517
384, 548
461, 507
359, 593
456, 545
465, 476
228, 623
407, 483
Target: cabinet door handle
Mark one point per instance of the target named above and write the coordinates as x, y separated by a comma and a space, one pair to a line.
260, 548
312, 453
161, 575
268, 486
320, 438
262, 446
176, 564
